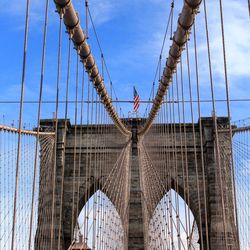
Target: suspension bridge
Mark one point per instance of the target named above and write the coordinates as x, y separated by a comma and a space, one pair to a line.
90, 177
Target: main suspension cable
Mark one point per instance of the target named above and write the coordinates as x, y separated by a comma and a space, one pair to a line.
185, 22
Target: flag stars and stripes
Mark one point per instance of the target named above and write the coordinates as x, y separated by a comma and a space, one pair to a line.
136, 100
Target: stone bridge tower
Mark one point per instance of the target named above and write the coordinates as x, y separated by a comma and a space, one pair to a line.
136, 235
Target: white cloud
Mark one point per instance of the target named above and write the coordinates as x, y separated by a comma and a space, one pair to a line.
18, 7
101, 11
237, 37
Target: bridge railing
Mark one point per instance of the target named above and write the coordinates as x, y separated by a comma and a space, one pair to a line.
241, 156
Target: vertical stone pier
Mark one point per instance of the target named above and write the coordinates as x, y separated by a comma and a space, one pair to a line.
135, 235
135, 228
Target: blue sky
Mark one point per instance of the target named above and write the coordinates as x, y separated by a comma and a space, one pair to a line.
131, 34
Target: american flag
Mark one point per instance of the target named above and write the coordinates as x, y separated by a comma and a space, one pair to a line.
136, 100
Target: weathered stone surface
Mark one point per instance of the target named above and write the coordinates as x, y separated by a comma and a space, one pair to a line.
211, 170
94, 143
135, 227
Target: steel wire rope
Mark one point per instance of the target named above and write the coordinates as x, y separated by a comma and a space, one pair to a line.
102, 73
102, 54
47, 146
249, 7
90, 166
106, 218
116, 191
168, 184
87, 135
194, 142
121, 199
175, 225
87, 167
156, 181
170, 173
163, 166
175, 174
182, 154
117, 200
103, 200
175, 168
172, 17
229, 118
64, 140
241, 152
114, 101
165, 173
56, 130
107, 214
201, 134
20, 123
101, 176
80, 147
184, 23
6, 188
185, 146
215, 121
105, 171
158, 67
80, 39
167, 164
74, 216
99, 173
95, 175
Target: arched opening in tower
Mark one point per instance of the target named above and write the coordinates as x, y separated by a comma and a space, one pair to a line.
172, 225
99, 225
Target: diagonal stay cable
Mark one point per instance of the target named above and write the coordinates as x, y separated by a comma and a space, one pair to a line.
102, 55
72, 23
185, 22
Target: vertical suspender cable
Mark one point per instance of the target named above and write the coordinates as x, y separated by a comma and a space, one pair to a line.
201, 137
80, 143
185, 22
65, 135
215, 124
20, 124
74, 217
172, 17
38, 119
95, 174
56, 129
194, 143
175, 168
249, 7
229, 119
185, 143
170, 173
182, 155
87, 167
168, 184
87, 139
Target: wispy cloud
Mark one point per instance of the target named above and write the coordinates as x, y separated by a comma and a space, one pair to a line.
18, 8
131, 35
101, 11
237, 37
